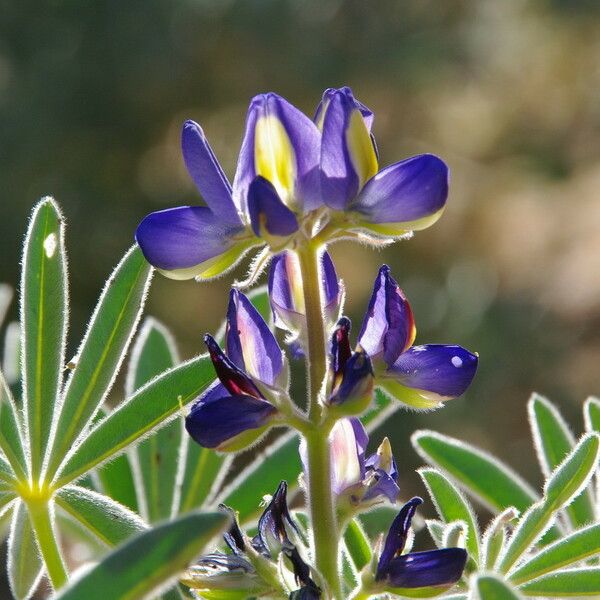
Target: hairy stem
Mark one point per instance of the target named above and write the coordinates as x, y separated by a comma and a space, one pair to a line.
320, 497
41, 522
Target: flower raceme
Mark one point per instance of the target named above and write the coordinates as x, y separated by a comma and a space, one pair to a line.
295, 179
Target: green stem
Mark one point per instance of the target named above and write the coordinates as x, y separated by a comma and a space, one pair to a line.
320, 497
41, 522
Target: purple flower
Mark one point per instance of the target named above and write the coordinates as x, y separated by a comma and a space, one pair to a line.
434, 568
405, 196
293, 178
357, 479
286, 293
234, 412
420, 376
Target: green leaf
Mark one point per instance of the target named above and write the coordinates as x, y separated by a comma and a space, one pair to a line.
565, 483
157, 458
6, 474
44, 306
281, 461
11, 438
108, 520
577, 546
102, 350
492, 587
452, 506
115, 479
494, 538
562, 584
436, 531
148, 561
357, 544
591, 413
25, 567
204, 473
482, 475
553, 440
151, 406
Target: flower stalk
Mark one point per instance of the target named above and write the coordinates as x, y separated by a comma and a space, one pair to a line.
320, 494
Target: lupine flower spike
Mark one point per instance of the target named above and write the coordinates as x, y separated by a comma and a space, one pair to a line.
421, 377
404, 574
295, 179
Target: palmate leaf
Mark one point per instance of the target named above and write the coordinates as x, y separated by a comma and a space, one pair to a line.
281, 461
25, 566
44, 306
565, 483
452, 506
149, 561
157, 458
553, 440
102, 351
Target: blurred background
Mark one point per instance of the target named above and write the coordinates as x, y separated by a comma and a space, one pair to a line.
93, 95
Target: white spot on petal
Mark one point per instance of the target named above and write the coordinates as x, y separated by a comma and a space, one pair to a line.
457, 361
50, 244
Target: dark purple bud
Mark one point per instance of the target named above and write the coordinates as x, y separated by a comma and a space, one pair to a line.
396, 537
234, 379
274, 523
340, 346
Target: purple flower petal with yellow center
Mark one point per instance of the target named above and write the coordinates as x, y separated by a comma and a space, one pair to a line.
382, 474
435, 568
388, 328
409, 195
348, 157
445, 371
207, 173
187, 241
250, 343
269, 216
282, 145
224, 421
